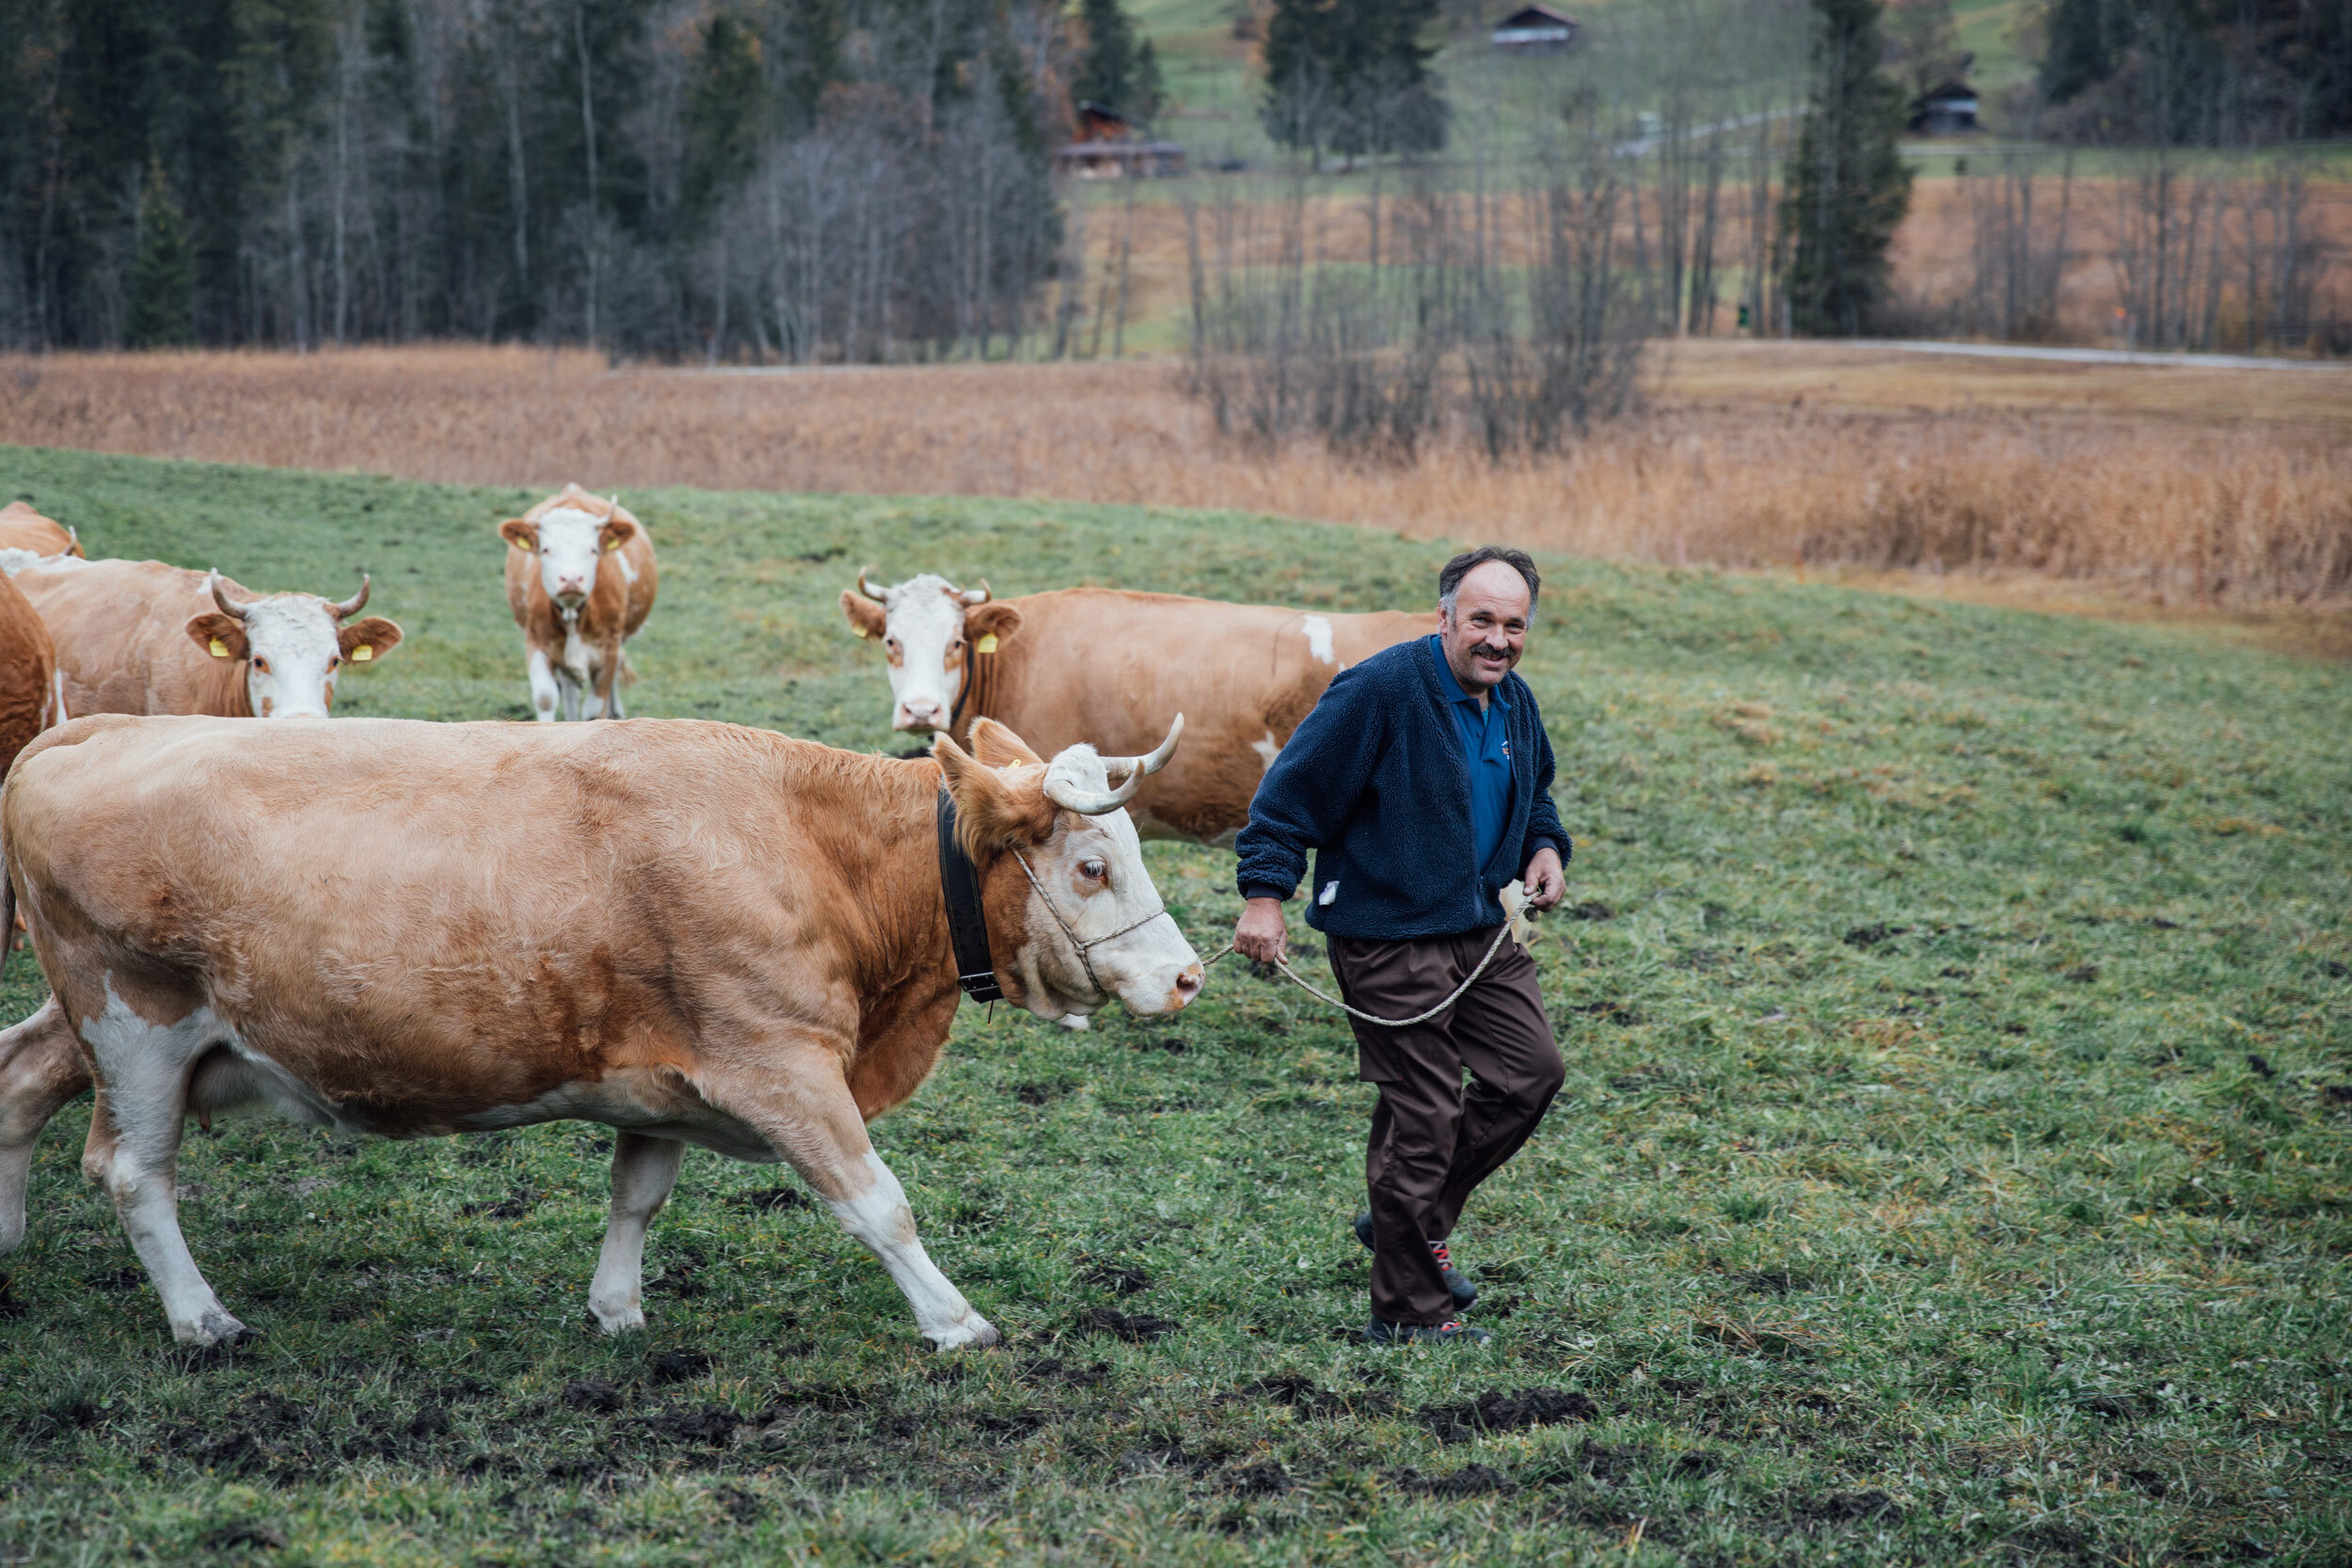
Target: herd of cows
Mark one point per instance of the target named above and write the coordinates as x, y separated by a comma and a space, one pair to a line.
692, 932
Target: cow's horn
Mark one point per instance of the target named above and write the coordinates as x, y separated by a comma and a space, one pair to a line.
1095, 802
861, 583
1153, 761
228, 605
353, 605
974, 596
1090, 802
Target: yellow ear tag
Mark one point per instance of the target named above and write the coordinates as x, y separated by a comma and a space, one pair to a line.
220, 649
862, 633
987, 644
612, 544
363, 653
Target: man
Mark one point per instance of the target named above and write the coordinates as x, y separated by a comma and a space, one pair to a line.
1422, 781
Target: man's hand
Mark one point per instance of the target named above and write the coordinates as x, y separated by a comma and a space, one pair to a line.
1259, 934
1545, 882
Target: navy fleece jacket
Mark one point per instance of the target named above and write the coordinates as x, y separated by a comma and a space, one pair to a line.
1375, 781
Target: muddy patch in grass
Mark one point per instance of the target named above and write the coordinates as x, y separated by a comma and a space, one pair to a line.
1837, 1509
593, 1394
1309, 1399
1053, 1369
1120, 1279
1139, 1329
1496, 1411
683, 1364
1470, 1480
1259, 1481
710, 1425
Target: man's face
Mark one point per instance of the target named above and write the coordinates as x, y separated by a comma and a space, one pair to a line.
1486, 631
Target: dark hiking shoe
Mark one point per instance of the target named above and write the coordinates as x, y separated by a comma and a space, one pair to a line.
1379, 1331
1457, 1283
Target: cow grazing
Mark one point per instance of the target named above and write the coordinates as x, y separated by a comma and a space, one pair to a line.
1108, 663
24, 528
691, 932
141, 637
577, 608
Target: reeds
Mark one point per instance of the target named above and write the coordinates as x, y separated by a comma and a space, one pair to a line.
2165, 508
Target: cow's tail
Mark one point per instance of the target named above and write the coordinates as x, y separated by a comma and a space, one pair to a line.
8, 906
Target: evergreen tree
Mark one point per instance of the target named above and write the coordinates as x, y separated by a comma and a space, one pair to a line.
1116, 69
2076, 55
724, 117
1353, 76
1848, 187
163, 273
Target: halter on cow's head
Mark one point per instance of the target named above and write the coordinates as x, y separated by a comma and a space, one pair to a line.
567, 540
294, 646
1063, 875
930, 630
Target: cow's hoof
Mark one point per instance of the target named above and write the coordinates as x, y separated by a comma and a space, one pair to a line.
625, 1318
215, 1327
973, 1330
1074, 1021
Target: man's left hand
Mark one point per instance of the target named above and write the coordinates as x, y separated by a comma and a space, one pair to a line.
1546, 883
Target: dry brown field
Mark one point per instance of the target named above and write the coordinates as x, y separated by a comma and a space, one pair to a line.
1931, 259
2188, 489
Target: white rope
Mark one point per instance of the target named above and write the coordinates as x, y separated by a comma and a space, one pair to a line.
1296, 979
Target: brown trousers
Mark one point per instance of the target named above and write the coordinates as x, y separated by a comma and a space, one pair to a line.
1433, 1141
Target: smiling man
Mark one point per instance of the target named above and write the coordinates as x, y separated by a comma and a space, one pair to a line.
1423, 783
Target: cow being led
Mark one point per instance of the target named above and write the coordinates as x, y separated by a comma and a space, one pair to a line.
581, 579
141, 637
691, 932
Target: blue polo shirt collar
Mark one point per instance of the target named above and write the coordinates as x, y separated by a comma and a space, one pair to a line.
1452, 688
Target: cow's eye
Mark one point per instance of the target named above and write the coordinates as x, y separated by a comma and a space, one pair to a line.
334, 662
956, 646
1095, 871
260, 666
892, 643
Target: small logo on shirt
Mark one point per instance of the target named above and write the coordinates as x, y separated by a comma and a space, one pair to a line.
1506, 751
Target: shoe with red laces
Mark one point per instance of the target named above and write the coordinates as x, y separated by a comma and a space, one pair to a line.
1379, 1331
1457, 1283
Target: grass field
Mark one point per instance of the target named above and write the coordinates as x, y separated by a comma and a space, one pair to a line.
1952, 1165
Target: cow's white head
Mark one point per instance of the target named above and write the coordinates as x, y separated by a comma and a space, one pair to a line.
1073, 917
929, 629
294, 646
566, 541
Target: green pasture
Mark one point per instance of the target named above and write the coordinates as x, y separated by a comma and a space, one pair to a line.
1952, 1164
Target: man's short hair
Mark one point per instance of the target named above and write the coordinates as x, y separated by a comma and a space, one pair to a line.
1450, 577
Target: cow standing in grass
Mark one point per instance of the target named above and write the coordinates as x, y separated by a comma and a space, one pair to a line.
24, 528
32, 697
1111, 664
141, 637
691, 932
580, 578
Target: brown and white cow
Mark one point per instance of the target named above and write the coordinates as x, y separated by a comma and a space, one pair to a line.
141, 637
32, 697
580, 578
1112, 664
688, 931
24, 528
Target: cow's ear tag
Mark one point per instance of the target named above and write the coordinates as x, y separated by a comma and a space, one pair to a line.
987, 644
611, 544
363, 653
861, 633
220, 649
